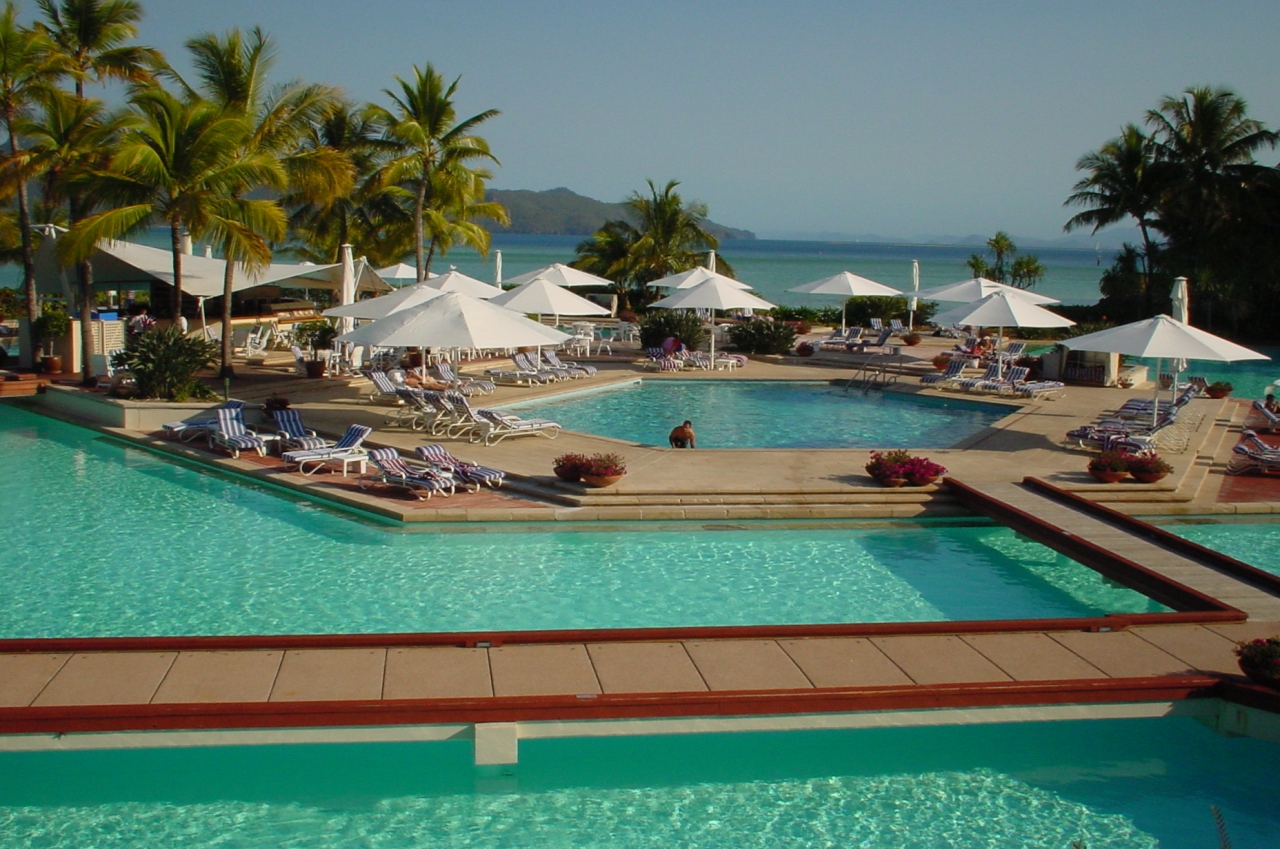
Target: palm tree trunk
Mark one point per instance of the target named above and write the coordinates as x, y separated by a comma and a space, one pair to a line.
228, 279
175, 241
86, 324
419, 202
24, 225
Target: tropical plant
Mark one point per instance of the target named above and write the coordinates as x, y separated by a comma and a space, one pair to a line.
920, 468
1008, 267
757, 336
1148, 464
885, 465
859, 311
434, 150
91, 36
911, 339
570, 467
164, 363
660, 325
51, 325
317, 335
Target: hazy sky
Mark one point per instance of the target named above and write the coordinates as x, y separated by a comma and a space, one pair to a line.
788, 118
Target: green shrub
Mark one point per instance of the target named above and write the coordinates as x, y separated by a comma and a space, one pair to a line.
165, 363
762, 337
827, 316
316, 335
860, 311
12, 304
52, 324
658, 325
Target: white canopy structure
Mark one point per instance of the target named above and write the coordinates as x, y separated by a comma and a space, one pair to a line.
385, 305
456, 281
977, 288
561, 275
695, 277
454, 320
1002, 309
714, 294
847, 285
540, 297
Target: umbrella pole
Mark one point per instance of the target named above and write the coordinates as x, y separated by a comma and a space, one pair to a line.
844, 320
1155, 398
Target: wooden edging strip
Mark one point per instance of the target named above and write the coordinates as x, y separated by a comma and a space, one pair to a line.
1134, 575
69, 719
1222, 562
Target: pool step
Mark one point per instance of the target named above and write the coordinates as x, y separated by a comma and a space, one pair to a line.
19, 384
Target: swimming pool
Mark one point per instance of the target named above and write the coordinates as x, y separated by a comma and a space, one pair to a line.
769, 414
1134, 784
126, 543
1252, 541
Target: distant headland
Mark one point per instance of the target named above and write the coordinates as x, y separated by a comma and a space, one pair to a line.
562, 212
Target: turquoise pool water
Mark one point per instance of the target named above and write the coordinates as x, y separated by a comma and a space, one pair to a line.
1114, 784
1249, 377
1254, 542
769, 414
116, 541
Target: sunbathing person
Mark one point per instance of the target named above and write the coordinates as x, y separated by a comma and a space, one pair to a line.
414, 379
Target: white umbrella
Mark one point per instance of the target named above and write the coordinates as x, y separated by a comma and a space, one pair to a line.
454, 320
1002, 310
695, 277
455, 281
1181, 312
1163, 337
561, 275
977, 288
375, 308
915, 287
541, 296
848, 285
401, 271
714, 294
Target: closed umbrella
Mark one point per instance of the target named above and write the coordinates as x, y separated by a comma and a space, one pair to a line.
977, 288
1181, 312
454, 320
847, 285
712, 295
540, 296
561, 275
1002, 310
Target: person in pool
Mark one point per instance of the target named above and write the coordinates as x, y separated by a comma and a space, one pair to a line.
683, 436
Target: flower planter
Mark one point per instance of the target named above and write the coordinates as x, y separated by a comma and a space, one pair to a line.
601, 481
1259, 674
1149, 477
315, 369
1217, 393
569, 475
1109, 477
51, 365
923, 481
893, 482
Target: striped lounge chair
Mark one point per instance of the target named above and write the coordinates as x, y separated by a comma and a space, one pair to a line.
394, 471
895, 326
553, 359
293, 435
191, 428
444, 372
970, 383
348, 447
467, 473
231, 435
840, 338
954, 370
383, 387
501, 425
525, 362
659, 360
1013, 378
877, 325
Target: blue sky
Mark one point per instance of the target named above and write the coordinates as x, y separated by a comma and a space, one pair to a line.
788, 118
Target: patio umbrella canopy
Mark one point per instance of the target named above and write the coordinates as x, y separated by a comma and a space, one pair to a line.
381, 307
540, 296
455, 281
695, 277
1163, 337
454, 320
848, 285
561, 275
1002, 310
977, 288
713, 294
401, 271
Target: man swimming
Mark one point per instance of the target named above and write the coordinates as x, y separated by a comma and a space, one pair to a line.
683, 436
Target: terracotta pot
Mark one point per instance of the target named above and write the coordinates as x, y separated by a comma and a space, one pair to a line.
893, 482
1258, 675
51, 365
923, 481
1109, 477
1149, 477
315, 369
601, 481
566, 474
1217, 393
804, 351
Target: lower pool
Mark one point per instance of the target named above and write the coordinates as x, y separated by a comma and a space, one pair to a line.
1110, 784
768, 414
115, 541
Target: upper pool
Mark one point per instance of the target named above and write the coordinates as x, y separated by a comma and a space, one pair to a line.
117, 541
768, 414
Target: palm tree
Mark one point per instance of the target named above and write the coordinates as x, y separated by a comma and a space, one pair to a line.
671, 236
1026, 271
28, 68
605, 254
430, 141
1003, 247
91, 35
1122, 179
179, 162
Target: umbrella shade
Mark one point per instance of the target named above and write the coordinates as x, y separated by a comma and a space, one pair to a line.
976, 289
561, 275
1003, 310
1163, 337
847, 284
714, 294
456, 281
695, 277
401, 271
375, 308
454, 320
542, 297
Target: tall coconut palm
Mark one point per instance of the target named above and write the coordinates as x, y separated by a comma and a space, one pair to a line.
605, 254
671, 236
177, 161
1122, 180
92, 36
1003, 247
29, 67
459, 200
424, 125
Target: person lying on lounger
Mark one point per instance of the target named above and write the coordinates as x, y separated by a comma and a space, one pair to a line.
683, 436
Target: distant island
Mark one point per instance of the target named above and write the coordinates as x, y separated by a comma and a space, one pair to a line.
562, 212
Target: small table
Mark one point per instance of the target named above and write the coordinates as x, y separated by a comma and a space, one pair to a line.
346, 460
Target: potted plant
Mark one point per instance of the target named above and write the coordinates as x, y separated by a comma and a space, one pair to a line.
1219, 389
603, 470
941, 361
318, 336
51, 326
1148, 468
1260, 660
886, 467
273, 403
569, 467
804, 349
921, 471
911, 339
1110, 466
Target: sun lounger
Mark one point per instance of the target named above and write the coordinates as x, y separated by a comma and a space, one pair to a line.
661, 361
345, 450
525, 362
1265, 419
877, 324
1006, 384
501, 425
293, 436
191, 428
394, 471
840, 338
861, 346
970, 383
231, 435
954, 370
553, 359
445, 373
1040, 389
468, 473
895, 326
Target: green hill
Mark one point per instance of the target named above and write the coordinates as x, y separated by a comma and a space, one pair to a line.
561, 212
